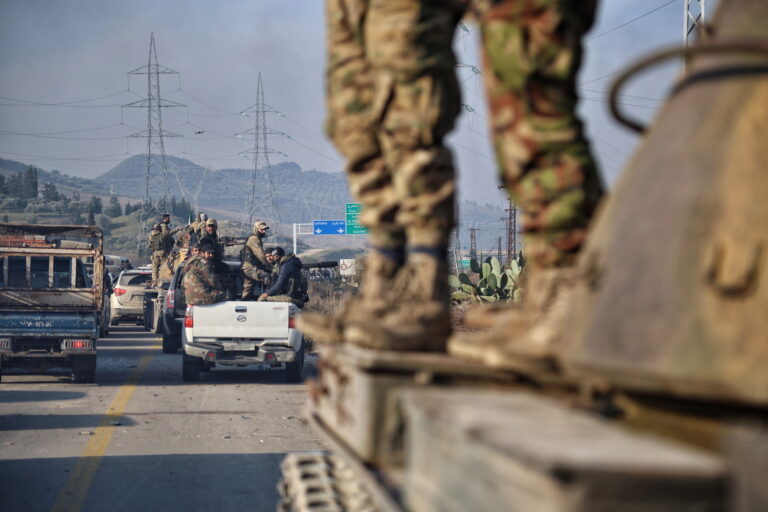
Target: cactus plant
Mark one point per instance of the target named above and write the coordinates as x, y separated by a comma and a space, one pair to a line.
495, 283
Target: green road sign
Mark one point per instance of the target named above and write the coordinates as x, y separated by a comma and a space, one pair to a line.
353, 219
464, 263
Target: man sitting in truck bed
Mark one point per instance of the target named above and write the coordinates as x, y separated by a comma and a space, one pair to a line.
290, 285
201, 284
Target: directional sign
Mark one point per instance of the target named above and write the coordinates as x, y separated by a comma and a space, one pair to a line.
464, 262
353, 219
329, 227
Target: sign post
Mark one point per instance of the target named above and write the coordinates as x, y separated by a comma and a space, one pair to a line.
329, 227
353, 219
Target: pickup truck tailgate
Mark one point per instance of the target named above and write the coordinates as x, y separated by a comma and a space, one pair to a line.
47, 323
236, 319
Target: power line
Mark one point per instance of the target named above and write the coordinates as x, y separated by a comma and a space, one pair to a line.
65, 103
629, 22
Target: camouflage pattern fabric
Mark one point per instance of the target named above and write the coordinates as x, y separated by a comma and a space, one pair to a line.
255, 265
392, 96
201, 285
532, 52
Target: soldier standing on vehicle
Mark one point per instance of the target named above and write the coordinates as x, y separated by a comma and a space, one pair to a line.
197, 227
201, 284
161, 244
393, 61
255, 265
290, 284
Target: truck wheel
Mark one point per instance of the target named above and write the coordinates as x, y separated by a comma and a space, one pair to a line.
170, 345
190, 368
293, 370
114, 320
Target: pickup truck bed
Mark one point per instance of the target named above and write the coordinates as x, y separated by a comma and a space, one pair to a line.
241, 333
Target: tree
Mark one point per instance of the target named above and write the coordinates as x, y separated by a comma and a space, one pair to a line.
114, 209
50, 193
29, 183
75, 195
91, 219
96, 205
3, 186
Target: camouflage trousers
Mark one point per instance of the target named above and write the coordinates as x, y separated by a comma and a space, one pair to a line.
392, 96
159, 258
531, 55
251, 275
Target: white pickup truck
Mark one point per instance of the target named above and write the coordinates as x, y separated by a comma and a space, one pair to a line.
242, 333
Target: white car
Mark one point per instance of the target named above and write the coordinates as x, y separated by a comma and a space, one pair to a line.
127, 301
242, 333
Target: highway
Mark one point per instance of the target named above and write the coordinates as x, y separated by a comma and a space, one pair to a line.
141, 439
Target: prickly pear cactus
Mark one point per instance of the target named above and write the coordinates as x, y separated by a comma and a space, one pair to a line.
493, 282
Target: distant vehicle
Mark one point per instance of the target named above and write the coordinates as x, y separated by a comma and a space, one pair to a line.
242, 333
127, 300
116, 264
50, 308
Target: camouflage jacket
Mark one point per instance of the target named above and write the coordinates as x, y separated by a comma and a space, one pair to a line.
201, 285
253, 253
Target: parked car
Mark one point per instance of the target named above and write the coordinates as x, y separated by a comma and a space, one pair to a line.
127, 300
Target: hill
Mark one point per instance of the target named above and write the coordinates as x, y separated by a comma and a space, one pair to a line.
300, 195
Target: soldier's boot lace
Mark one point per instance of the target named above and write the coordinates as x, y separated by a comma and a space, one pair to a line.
419, 319
380, 268
525, 337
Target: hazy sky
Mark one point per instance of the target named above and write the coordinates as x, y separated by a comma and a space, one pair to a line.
65, 62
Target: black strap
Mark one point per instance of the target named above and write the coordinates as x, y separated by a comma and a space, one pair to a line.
440, 253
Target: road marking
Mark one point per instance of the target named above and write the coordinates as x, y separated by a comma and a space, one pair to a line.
78, 484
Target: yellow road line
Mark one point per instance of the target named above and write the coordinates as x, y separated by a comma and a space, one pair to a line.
78, 484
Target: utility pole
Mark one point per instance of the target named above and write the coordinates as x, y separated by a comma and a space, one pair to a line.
694, 12
154, 134
473, 243
498, 251
260, 152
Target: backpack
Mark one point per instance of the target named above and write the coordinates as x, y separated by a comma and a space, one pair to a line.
156, 241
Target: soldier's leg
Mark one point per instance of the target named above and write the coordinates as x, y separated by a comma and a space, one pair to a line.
410, 49
532, 53
352, 124
156, 262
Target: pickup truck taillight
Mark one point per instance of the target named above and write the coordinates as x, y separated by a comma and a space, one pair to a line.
291, 322
77, 345
120, 291
170, 299
188, 319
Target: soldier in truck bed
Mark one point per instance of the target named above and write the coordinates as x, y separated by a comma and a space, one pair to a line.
290, 285
255, 265
201, 284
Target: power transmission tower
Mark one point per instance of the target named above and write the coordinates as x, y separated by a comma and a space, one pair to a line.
154, 134
694, 12
260, 152
511, 220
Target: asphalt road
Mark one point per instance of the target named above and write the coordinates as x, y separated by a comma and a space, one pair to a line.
141, 439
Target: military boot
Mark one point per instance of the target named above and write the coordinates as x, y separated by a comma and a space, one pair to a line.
419, 319
526, 337
380, 268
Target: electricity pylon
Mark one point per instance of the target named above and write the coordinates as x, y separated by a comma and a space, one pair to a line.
260, 153
154, 134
